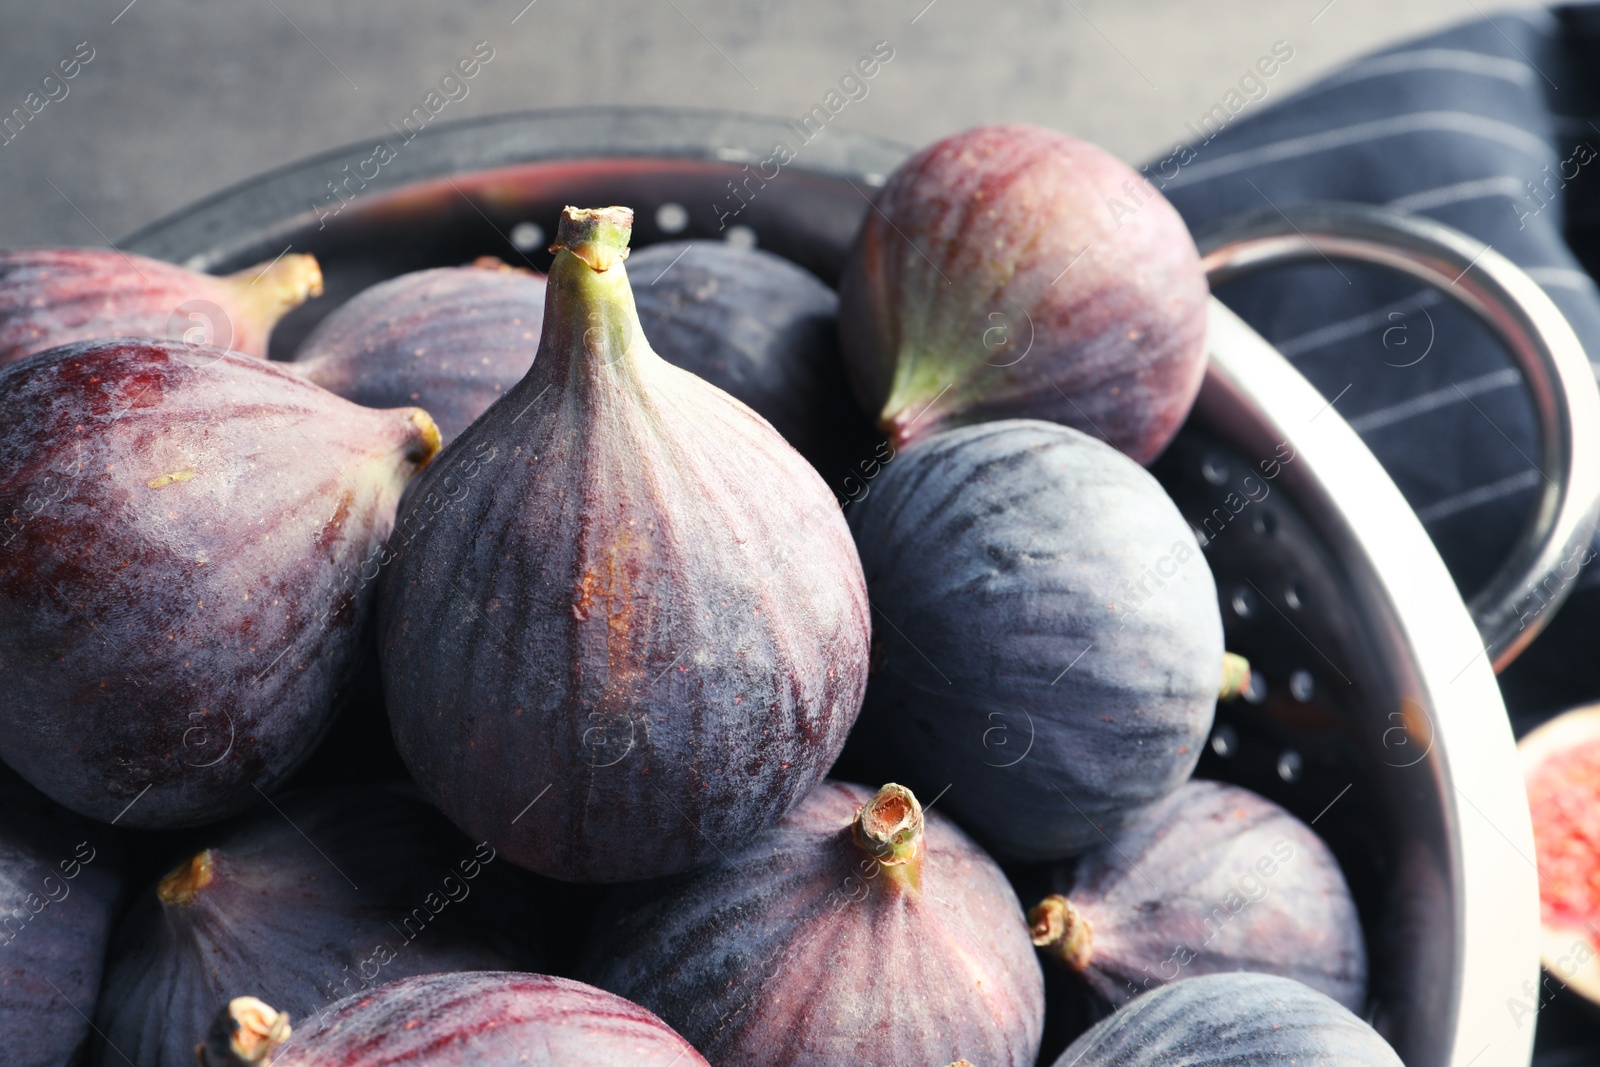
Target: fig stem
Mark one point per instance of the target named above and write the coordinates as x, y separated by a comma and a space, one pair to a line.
427, 442
183, 884
247, 1031
598, 236
889, 828
271, 290
1062, 931
1235, 677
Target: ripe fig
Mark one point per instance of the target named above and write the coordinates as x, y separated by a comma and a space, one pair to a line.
1004, 274
1211, 879
482, 1019
641, 637
182, 589
450, 340
328, 894
60, 886
56, 296
1051, 645
1231, 1020
859, 930
763, 329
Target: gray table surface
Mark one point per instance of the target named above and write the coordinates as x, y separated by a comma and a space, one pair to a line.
186, 97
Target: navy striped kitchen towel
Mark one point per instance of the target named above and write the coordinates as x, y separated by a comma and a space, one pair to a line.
1494, 128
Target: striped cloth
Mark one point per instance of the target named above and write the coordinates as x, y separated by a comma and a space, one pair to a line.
1493, 128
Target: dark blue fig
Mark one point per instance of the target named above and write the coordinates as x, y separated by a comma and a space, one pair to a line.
454, 1020
860, 930
625, 625
1013, 271
187, 542
1211, 879
324, 895
56, 296
764, 330
60, 884
449, 340
1231, 1020
1048, 643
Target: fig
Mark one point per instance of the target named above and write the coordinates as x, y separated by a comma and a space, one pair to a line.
450, 340
1002, 274
1560, 766
182, 571
55, 296
330, 893
1231, 1020
1050, 645
861, 929
625, 625
1211, 879
60, 886
763, 329
485, 1019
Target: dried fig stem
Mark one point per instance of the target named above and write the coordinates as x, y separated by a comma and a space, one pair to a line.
1062, 931
247, 1031
184, 883
889, 828
269, 291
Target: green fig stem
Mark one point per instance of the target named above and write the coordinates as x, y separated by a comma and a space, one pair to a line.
247, 1031
183, 883
1235, 677
889, 828
598, 236
1061, 931
269, 291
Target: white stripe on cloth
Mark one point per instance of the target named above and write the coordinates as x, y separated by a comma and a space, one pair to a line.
1357, 325
1464, 122
1483, 494
1456, 59
1477, 189
1434, 400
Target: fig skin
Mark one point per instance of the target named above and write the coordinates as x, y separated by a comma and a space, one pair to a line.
449, 340
482, 1019
815, 943
330, 894
181, 571
1231, 1020
1050, 646
55, 296
625, 624
997, 280
763, 329
1185, 890
61, 883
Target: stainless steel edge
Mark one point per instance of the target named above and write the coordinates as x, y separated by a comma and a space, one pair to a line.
1522, 597
1397, 575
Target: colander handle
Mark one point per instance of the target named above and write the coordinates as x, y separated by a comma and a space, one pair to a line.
1540, 572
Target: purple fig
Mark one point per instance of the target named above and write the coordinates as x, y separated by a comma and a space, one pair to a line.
330, 893
860, 929
484, 1019
625, 624
997, 278
1211, 879
60, 886
449, 340
766, 331
184, 567
56, 296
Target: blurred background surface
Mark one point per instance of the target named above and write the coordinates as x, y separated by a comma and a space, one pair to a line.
182, 98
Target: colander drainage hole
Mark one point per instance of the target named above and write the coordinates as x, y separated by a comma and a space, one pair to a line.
1301, 686
1224, 741
1290, 765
